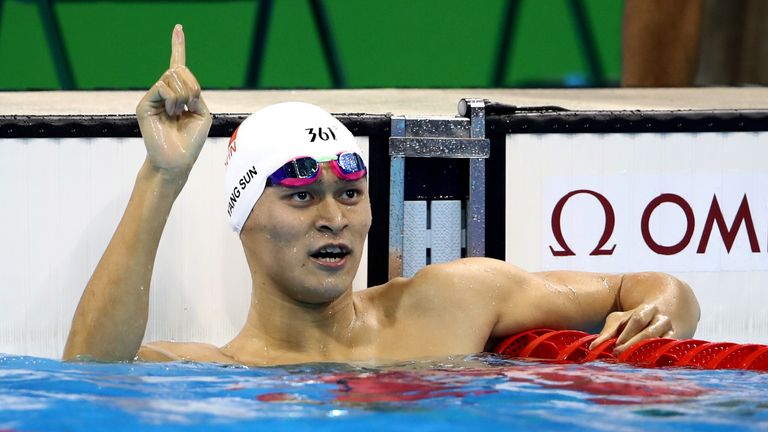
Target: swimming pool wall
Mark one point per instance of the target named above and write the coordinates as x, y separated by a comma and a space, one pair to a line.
68, 162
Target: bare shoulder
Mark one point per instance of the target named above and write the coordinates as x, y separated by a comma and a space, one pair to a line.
476, 273
456, 303
162, 351
458, 283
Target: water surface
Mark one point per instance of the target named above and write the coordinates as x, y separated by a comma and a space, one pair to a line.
473, 393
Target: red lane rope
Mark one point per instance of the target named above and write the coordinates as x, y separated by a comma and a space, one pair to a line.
572, 346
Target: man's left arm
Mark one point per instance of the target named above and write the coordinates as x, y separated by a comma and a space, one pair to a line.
504, 299
645, 305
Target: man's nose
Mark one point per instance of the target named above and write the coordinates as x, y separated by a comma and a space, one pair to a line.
331, 216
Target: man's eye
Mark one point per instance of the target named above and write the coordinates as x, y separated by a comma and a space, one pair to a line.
351, 194
301, 196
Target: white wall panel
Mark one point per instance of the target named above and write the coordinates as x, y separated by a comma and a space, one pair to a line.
446, 230
415, 233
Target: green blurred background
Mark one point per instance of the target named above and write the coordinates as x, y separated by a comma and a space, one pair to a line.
279, 43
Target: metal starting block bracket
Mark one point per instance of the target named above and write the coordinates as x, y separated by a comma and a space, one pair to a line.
461, 137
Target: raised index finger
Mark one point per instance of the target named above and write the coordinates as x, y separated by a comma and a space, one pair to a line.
178, 48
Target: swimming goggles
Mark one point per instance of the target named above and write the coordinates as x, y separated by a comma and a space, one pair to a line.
305, 170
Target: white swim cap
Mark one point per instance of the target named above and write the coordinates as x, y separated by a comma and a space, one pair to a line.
269, 138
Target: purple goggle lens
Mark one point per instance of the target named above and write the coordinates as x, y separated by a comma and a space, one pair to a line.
305, 170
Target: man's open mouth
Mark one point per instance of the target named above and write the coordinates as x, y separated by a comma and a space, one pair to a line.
331, 253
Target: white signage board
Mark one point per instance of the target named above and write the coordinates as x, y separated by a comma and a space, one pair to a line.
691, 204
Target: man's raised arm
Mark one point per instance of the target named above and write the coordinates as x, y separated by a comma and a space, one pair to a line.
111, 318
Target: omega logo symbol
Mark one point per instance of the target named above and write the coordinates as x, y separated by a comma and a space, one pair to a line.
714, 217
610, 222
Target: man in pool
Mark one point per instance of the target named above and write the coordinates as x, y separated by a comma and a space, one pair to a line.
297, 194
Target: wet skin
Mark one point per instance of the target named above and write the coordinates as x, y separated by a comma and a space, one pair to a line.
303, 308
288, 227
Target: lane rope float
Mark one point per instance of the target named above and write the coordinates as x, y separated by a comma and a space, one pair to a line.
572, 346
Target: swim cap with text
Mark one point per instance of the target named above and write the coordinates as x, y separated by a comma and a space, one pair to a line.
269, 138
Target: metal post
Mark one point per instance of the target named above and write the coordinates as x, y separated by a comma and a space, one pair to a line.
476, 204
446, 138
396, 203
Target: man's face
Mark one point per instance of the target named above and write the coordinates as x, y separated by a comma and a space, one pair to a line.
308, 241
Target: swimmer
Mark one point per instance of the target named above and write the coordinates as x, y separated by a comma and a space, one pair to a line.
297, 195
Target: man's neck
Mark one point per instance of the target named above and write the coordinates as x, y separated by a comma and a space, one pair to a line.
278, 325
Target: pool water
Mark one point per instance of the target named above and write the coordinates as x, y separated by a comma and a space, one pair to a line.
472, 393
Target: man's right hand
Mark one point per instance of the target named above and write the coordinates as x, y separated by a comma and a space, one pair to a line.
173, 117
